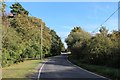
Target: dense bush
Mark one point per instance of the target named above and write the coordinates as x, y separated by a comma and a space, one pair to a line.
100, 49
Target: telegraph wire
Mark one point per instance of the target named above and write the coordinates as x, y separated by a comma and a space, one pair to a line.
106, 20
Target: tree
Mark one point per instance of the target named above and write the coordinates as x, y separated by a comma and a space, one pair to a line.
18, 9
76, 40
100, 49
21, 38
57, 44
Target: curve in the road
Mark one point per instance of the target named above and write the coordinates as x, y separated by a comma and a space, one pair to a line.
59, 67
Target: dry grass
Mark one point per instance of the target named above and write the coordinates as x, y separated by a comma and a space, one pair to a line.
20, 70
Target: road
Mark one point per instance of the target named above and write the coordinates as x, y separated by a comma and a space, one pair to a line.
59, 67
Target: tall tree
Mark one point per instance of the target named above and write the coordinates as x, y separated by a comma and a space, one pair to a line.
57, 44
76, 39
18, 9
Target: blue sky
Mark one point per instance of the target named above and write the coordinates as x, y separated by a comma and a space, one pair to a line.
63, 16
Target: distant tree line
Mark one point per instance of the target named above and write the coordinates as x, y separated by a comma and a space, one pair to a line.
21, 37
103, 48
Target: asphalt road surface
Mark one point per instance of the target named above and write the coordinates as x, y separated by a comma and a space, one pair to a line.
59, 67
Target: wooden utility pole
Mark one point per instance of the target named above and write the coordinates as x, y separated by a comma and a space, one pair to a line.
41, 42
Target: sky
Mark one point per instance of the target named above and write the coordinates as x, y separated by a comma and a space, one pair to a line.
64, 16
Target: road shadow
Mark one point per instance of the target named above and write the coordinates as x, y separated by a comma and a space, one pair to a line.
69, 72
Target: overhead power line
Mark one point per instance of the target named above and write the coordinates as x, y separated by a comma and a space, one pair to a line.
106, 19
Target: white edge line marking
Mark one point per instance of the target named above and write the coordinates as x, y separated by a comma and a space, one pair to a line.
41, 70
87, 70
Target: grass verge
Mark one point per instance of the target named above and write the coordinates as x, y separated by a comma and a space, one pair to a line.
20, 70
108, 72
